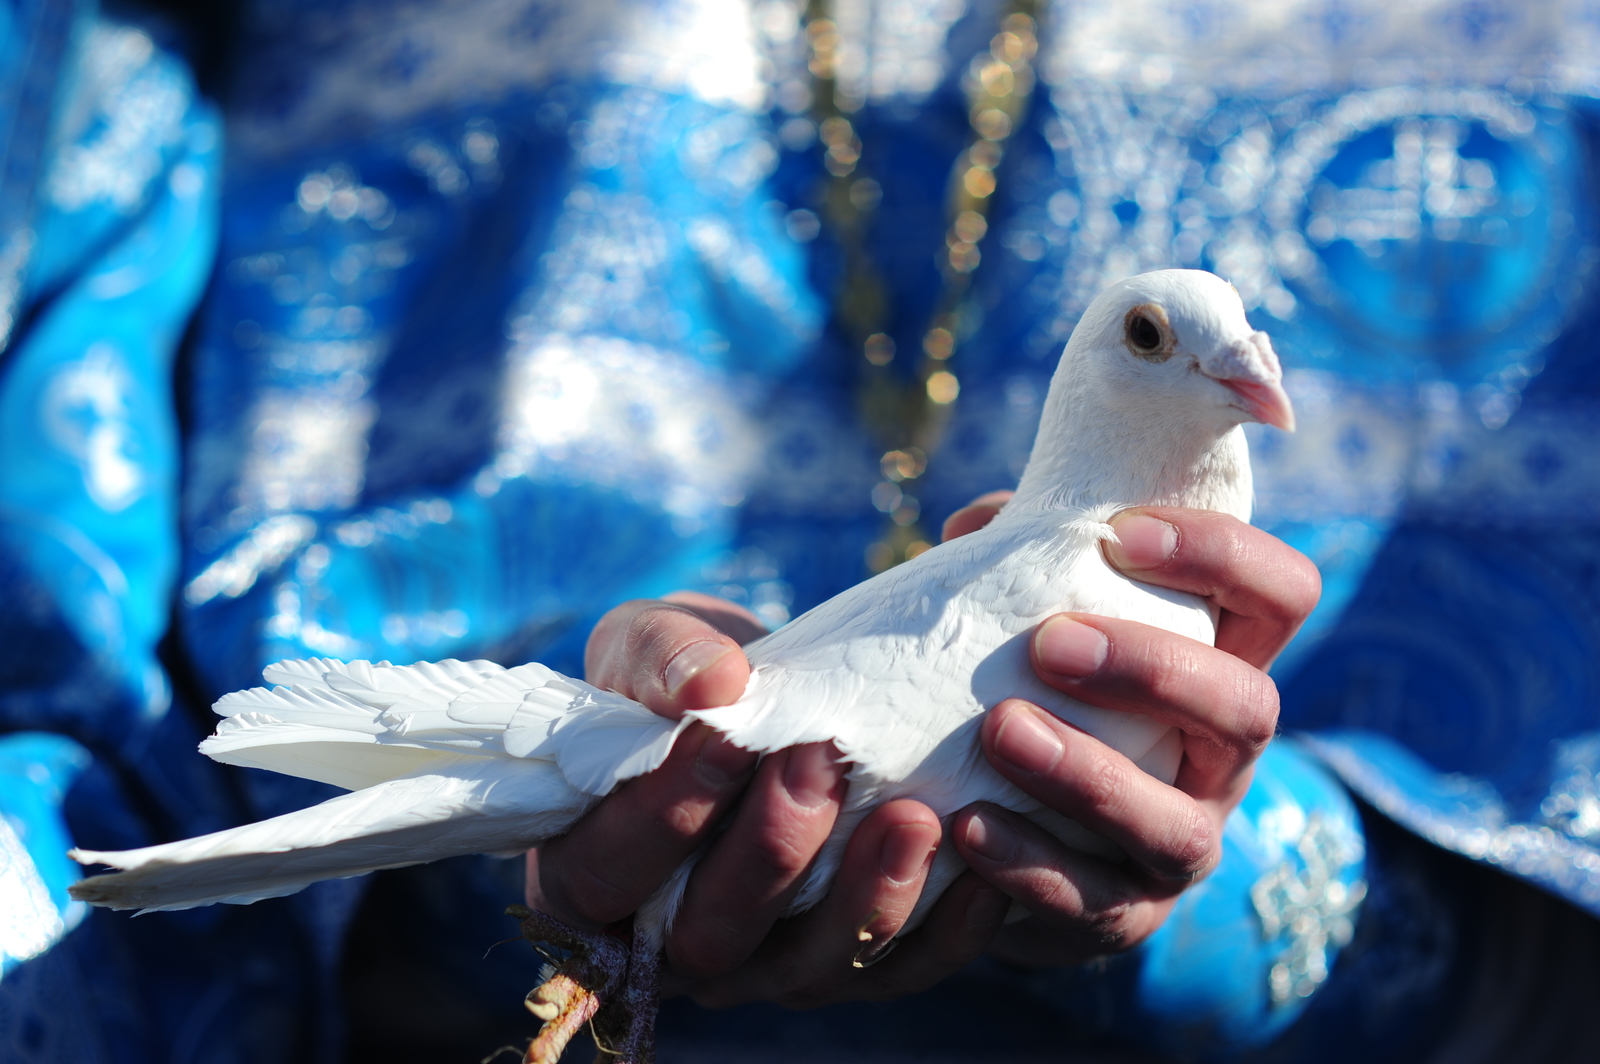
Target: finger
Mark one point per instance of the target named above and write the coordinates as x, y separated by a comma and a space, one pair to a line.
667, 657
1227, 710
807, 961
959, 927
1095, 906
753, 871
974, 515
655, 820
729, 618
1264, 587
1162, 829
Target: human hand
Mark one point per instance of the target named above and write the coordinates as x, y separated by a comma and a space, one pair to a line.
1220, 698
1084, 906
673, 656
683, 654
1081, 906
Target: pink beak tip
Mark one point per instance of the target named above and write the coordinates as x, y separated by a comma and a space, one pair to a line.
1264, 402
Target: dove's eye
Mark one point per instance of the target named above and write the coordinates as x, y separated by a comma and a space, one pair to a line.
1146, 335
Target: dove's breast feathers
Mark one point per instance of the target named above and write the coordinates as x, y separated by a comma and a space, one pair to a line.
892, 668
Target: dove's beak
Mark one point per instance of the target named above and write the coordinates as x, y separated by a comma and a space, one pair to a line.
1265, 402
1249, 368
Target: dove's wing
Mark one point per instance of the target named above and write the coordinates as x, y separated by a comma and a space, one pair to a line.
444, 758
356, 724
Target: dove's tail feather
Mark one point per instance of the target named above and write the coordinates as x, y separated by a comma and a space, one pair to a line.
474, 805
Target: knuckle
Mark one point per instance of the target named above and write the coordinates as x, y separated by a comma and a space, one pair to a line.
1258, 706
777, 857
1303, 588
1058, 896
1289, 598
1231, 544
607, 645
1102, 783
1112, 927
1169, 669
1191, 850
677, 820
1102, 914
650, 631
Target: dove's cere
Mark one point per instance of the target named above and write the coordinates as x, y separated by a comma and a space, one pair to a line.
468, 757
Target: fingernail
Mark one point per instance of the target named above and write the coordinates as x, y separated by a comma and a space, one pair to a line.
986, 909
988, 837
690, 662
720, 763
812, 774
1146, 542
903, 853
1070, 648
873, 951
1027, 742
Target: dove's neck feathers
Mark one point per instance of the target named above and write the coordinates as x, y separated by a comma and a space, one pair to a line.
1094, 451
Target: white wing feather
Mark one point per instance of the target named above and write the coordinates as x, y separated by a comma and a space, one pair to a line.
443, 758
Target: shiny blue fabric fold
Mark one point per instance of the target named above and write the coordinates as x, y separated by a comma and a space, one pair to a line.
513, 315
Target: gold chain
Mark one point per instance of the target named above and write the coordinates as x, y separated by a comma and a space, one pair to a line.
909, 415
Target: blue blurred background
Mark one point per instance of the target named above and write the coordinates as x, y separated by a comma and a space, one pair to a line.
423, 329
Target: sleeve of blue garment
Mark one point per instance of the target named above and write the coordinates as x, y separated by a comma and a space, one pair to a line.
119, 240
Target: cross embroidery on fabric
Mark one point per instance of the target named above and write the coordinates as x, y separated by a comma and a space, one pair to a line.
1312, 906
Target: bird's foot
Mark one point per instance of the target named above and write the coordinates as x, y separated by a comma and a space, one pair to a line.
625, 1029
602, 983
577, 987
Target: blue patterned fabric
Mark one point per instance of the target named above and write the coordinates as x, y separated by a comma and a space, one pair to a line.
519, 309
1417, 234
114, 240
1239, 958
36, 768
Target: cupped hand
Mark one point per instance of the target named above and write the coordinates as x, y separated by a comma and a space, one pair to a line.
684, 653
1220, 698
675, 655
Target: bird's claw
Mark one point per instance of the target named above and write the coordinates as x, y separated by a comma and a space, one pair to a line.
598, 983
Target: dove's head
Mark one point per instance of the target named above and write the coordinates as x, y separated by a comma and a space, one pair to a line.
1175, 344
1147, 404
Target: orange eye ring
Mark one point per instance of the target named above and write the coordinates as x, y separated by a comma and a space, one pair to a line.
1147, 333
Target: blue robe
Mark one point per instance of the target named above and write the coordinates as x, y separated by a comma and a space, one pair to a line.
457, 326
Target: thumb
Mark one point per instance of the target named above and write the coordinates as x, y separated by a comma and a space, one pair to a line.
974, 515
666, 657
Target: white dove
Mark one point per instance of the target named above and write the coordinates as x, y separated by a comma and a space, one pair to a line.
1145, 408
